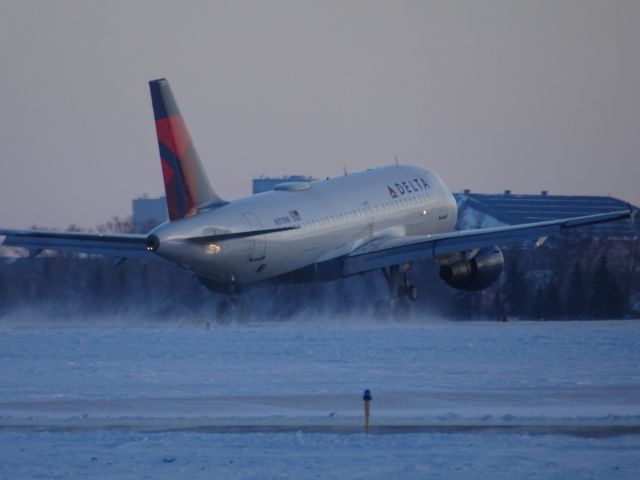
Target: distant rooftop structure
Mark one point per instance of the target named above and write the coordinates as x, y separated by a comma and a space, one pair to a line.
264, 184
508, 208
148, 213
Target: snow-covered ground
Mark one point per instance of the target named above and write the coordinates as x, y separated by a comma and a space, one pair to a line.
461, 400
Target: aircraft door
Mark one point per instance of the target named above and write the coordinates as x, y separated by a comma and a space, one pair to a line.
259, 250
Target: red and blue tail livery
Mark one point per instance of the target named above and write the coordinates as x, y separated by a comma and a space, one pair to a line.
185, 181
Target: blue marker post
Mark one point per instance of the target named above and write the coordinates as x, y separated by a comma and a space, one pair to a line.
367, 409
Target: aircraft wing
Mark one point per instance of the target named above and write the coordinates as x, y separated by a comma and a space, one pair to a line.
386, 251
114, 245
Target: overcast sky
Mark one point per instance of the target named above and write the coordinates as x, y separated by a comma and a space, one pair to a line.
492, 94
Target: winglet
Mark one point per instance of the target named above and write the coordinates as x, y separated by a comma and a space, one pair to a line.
185, 181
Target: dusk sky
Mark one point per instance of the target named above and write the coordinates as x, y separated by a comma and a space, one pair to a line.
493, 94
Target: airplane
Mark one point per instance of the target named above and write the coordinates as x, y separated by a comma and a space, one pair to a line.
384, 219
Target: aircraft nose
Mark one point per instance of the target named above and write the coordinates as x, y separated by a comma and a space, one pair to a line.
153, 243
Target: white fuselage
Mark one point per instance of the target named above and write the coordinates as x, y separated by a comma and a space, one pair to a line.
333, 216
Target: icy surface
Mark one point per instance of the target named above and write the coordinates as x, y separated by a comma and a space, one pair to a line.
461, 400
301, 456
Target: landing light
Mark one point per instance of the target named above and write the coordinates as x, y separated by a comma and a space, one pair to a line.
424, 212
213, 248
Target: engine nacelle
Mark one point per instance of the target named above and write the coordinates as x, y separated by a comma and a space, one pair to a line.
479, 273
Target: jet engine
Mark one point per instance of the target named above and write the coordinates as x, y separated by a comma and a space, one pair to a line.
478, 273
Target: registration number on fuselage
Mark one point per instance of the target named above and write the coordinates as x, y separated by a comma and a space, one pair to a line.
282, 220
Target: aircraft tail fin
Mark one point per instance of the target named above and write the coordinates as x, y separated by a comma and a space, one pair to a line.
185, 181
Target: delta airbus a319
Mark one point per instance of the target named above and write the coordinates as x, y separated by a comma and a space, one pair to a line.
381, 219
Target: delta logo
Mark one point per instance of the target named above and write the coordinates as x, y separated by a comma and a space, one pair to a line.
408, 186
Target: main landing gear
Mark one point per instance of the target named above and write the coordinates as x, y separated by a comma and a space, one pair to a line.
233, 307
401, 292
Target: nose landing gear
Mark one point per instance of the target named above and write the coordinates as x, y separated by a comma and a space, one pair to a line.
401, 292
232, 308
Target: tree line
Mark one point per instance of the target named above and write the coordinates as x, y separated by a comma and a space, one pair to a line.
572, 278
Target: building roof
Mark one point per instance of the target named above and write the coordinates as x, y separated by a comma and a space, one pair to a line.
515, 209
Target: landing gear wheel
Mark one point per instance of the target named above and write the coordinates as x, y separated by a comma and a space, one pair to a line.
401, 292
412, 292
401, 310
382, 309
224, 311
231, 309
242, 312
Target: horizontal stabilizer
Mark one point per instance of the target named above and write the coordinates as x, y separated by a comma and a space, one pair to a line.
125, 245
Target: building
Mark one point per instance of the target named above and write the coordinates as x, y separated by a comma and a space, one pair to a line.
618, 241
492, 210
148, 213
264, 184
